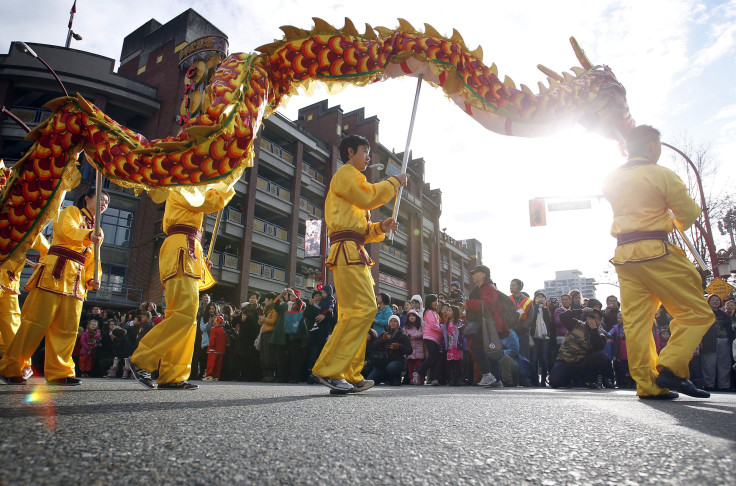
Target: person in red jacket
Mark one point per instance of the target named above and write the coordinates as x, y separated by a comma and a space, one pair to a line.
485, 292
216, 350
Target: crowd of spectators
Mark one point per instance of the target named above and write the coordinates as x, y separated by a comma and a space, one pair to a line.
556, 341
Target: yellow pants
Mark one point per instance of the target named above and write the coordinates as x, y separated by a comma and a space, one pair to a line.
673, 281
171, 341
49, 315
344, 354
9, 321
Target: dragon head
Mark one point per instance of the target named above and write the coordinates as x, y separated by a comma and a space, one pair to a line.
609, 114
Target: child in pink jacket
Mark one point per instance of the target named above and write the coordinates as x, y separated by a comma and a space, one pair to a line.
415, 330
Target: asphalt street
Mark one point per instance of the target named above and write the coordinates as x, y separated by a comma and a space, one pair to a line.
116, 432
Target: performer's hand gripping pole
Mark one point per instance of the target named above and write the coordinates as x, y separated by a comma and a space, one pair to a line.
405, 161
690, 246
98, 211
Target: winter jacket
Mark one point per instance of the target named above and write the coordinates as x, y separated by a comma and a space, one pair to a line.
489, 295
89, 342
380, 323
432, 329
580, 339
720, 328
400, 354
560, 329
278, 336
218, 340
531, 321
416, 336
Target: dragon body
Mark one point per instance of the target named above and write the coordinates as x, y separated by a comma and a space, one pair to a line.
216, 146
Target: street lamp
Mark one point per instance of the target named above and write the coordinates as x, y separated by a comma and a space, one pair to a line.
706, 219
25, 49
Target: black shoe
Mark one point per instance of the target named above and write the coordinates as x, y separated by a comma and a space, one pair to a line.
142, 376
608, 383
14, 380
666, 396
179, 385
667, 379
69, 381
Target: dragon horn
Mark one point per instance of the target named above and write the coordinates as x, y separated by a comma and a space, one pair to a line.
550, 73
580, 54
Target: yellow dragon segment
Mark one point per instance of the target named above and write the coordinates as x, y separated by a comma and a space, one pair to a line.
216, 146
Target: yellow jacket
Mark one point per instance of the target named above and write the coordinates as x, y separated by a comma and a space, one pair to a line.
347, 208
10, 279
72, 231
174, 253
641, 194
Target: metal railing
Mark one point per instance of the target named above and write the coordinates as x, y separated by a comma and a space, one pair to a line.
308, 169
273, 188
270, 229
310, 208
395, 252
277, 150
117, 294
264, 270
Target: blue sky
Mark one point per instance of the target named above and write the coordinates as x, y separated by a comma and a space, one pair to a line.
677, 59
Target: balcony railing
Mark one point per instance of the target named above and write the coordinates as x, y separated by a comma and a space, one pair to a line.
129, 295
310, 208
259, 269
276, 150
308, 169
270, 229
401, 255
30, 115
234, 216
275, 189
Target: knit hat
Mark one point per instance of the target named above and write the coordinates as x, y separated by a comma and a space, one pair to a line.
714, 295
455, 283
394, 317
298, 293
328, 289
592, 302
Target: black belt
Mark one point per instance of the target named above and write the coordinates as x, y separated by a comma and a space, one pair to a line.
635, 236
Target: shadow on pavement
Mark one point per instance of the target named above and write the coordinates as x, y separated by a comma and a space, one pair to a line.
707, 417
26, 410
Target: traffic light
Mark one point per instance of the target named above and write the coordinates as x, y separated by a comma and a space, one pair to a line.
537, 212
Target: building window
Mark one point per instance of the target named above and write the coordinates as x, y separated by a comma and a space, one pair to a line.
117, 225
113, 277
159, 59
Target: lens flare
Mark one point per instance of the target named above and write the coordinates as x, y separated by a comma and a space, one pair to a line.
43, 403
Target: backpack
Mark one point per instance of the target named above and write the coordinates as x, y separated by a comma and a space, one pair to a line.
508, 311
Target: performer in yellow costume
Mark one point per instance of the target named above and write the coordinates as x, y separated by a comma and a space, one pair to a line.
57, 290
651, 270
9, 308
182, 268
347, 207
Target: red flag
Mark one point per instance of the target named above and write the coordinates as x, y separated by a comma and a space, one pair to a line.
71, 13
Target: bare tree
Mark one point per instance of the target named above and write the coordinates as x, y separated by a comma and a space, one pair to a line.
718, 200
